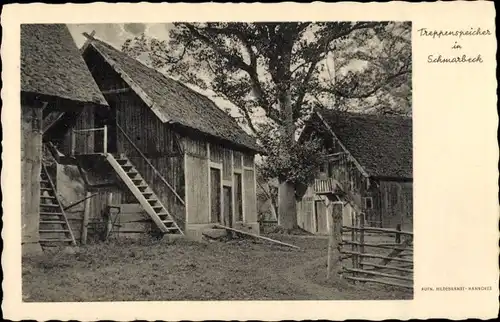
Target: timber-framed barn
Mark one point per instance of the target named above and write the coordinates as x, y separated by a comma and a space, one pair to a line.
56, 87
369, 168
153, 157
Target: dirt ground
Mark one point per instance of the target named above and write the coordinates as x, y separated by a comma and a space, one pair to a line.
186, 270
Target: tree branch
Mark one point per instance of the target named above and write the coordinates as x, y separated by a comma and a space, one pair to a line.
321, 49
371, 92
237, 61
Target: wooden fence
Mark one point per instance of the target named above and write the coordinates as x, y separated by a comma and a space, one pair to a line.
377, 255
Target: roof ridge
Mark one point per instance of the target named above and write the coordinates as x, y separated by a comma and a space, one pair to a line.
157, 71
381, 144
402, 119
185, 100
143, 64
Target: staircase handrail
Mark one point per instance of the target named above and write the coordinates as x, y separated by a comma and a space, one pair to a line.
150, 164
73, 240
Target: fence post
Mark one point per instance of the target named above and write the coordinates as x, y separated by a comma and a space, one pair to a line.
361, 237
398, 235
354, 248
105, 144
334, 241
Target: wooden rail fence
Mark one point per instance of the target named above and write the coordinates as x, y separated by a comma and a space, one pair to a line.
383, 256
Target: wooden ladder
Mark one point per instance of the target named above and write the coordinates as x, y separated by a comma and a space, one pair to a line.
54, 227
144, 194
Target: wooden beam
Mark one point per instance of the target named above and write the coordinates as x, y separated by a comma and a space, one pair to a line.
388, 267
80, 201
255, 236
372, 280
86, 215
116, 91
88, 41
397, 259
51, 119
381, 230
368, 272
44, 105
395, 253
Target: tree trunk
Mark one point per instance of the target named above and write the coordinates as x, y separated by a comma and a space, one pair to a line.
335, 238
287, 207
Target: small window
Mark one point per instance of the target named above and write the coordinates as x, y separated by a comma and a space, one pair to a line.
368, 203
323, 168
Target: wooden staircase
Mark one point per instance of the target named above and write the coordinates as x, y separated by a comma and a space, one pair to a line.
54, 227
144, 194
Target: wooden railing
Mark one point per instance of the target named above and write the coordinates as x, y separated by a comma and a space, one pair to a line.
53, 187
74, 134
156, 172
325, 185
384, 256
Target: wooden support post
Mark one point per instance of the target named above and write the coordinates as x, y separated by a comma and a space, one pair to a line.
86, 215
105, 144
109, 220
334, 242
398, 235
73, 142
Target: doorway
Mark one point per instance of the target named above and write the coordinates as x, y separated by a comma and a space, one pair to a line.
215, 195
228, 206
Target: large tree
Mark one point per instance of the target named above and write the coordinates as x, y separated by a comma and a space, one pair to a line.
279, 70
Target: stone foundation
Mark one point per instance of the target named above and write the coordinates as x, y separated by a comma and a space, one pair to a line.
29, 249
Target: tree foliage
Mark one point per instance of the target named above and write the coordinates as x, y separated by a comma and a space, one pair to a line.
295, 164
281, 70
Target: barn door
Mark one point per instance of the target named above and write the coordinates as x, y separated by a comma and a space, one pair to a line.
321, 217
215, 195
228, 206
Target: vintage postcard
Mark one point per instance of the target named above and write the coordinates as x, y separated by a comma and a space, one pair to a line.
250, 161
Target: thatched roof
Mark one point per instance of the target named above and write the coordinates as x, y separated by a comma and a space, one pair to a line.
51, 65
381, 144
172, 101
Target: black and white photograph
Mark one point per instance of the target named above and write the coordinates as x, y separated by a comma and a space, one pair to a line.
217, 161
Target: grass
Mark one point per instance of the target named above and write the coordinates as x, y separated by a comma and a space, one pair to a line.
185, 270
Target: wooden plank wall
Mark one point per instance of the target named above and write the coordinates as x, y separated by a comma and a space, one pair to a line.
155, 140
397, 204
133, 222
199, 156
71, 188
227, 166
196, 181
84, 141
97, 224
305, 206
250, 197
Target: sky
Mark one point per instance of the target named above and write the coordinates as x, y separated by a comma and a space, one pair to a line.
115, 34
